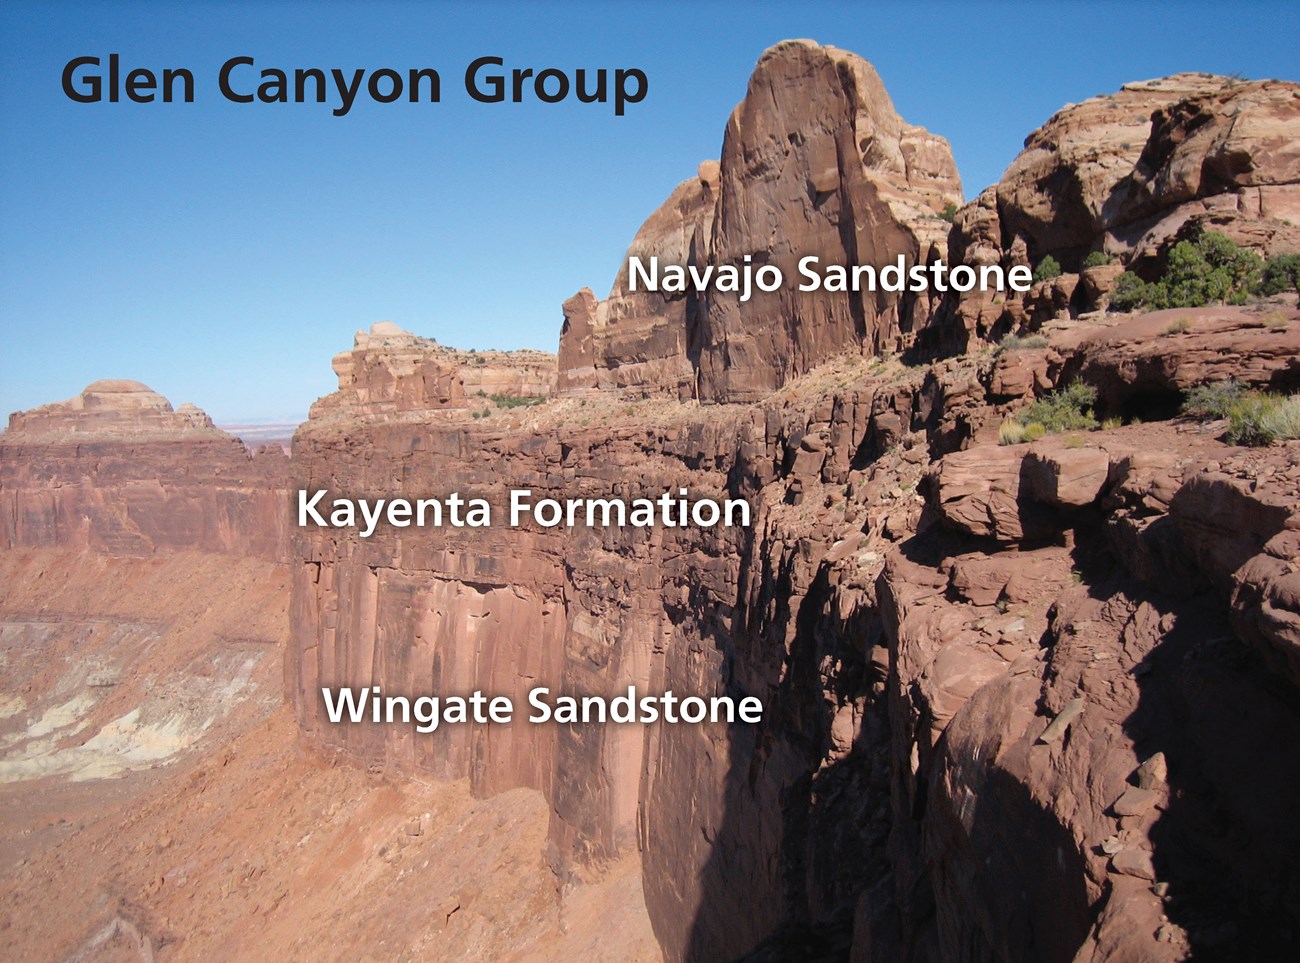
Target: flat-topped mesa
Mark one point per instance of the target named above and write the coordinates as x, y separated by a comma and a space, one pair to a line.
107, 410
1128, 174
390, 371
116, 471
815, 162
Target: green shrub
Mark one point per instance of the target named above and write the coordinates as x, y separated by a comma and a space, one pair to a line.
1069, 409
1097, 259
515, 401
1281, 273
1211, 269
1129, 293
1015, 342
1048, 268
1214, 399
1258, 420
949, 212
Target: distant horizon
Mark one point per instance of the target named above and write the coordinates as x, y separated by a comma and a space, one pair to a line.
223, 253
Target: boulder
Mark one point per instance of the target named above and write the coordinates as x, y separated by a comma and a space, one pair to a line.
1065, 477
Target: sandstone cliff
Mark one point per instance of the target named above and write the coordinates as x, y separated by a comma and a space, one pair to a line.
914, 632
636, 341
815, 161
1023, 702
911, 632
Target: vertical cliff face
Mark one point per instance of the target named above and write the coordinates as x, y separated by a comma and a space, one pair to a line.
991, 728
116, 470
788, 812
815, 162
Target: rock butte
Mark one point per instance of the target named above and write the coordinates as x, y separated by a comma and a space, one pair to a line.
968, 653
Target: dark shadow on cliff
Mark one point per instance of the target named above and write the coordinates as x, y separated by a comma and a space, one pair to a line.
1228, 843
814, 833
985, 870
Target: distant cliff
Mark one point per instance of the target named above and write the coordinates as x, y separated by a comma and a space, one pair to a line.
116, 470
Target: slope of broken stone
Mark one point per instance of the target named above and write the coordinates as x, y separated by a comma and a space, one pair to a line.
116, 665
236, 843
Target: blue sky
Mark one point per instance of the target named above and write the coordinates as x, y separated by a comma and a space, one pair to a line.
223, 253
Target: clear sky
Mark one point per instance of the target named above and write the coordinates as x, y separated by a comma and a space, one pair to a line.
223, 253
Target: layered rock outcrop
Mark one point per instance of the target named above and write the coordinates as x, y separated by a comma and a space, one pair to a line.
911, 633
1021, 702
815, 162
112, 409
1127, 174
117, 470
390, 372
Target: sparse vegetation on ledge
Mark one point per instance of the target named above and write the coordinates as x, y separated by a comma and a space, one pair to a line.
514, 401
1015, 342
1254, 418
1264, 419
1214, 399
1069, 409
1210, 270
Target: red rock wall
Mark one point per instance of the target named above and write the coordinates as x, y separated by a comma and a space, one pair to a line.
910, 633
590, 612
124, 497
